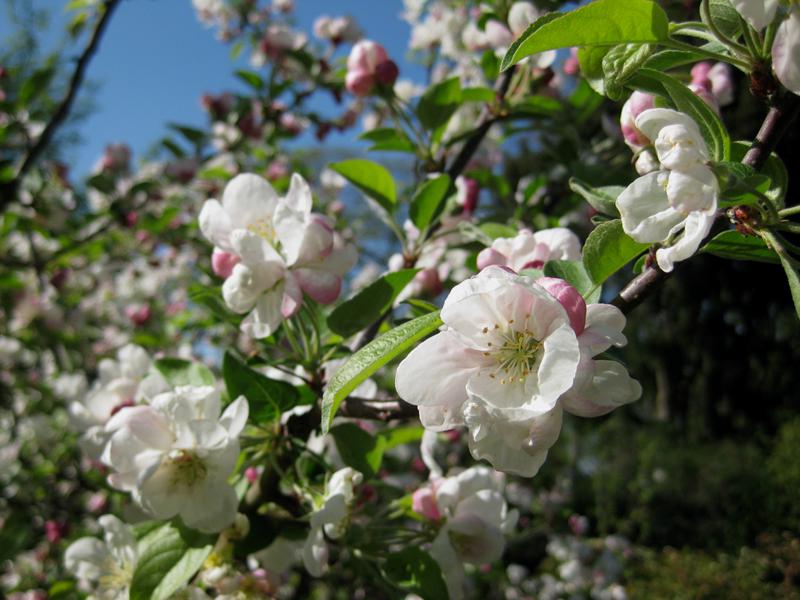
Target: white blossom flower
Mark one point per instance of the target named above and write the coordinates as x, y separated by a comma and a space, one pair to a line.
176, 454
284, 250
759, 13
681, 197
123, 382
330, 518
786, 51
104, 567
529, 250
475, 521
505, 355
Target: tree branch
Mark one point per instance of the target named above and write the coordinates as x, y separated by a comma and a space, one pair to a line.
62, 111
378, 410
777, 121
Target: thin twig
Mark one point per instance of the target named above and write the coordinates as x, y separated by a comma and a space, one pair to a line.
777, 121
378, 410
62, 112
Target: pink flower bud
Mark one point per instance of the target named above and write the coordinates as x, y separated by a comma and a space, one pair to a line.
569, 298
578, 524
139, 315
222, 263
700, 72
703, 91
571, 64
359, 83
423, 502
635, 105
387, 72
468, 191
97, 503
429, 282
365, 56
54, 531
251, 473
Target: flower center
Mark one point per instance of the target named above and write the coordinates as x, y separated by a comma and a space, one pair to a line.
263, 228
186, 468
116, 577
516, 357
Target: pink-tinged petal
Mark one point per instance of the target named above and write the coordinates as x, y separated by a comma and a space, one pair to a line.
604, 325
759, 13
215, 224
569, 298
441, 418
322, 286
488, 257
292, 296
423, 502
558, 366
248, 199
609, 387
146, 424
359, 83
436, 372
561, 242
298, 198
222, 263
340, 260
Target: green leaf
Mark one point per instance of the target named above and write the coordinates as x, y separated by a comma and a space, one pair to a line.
498, 230
686, 101
619, 64
794, 281
267, 398
725, 17
178, 371
478, 94
359, 449
590, 59
608, 249
369, 304
372, 357
35, 86
774, 168
388, 139
194, 136
413, 570
735, 246
252, 79
599, 23
401, 435
61, 589
371, 178
602, 199
428, 202
575, 274
439, 102
665, 60
168, 558
542, 106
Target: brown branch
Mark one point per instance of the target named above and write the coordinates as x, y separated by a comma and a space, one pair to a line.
62, 112
777, 121
378, 410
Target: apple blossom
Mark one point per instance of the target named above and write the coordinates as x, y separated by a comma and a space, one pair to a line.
759, 13
633, 107
337, 29
505, 355
330, 518
529, 250
104, 567
682, 196
718, 78
176, 454
283, 249
368, 65
475, 520
786, 51
123, 382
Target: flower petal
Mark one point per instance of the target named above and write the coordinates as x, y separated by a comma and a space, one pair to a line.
644, 206
248, 199
696, 228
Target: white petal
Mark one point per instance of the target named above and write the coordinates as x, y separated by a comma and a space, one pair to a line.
604, 325
235, 416
759, 13
644, 206
786, 52
609, 387
452, 570
248, 199
87, 558
696, 228
216, 225
436, 372
653, 120
266, 315
558, 367
562, 242
315, 553
692, 189
213, 507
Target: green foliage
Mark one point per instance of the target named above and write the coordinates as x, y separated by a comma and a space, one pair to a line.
438, 104
168, 558
388, 139
364, 451
574, 273
267, 398
599, 23
413, 570
368, 305
178, 371
736, 246
428, 202
372, 357
602, 199
783, 466
607, 249
371, 178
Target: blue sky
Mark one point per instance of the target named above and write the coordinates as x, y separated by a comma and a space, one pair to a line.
156, 60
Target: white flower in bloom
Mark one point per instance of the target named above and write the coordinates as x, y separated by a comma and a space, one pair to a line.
284, 250
475, 521
175, 455
330, 518
505, 355
105, 567
786, 51
680, 197
759, 13
123, 382
529, 250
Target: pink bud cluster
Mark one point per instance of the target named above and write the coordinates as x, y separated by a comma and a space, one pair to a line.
367, 66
